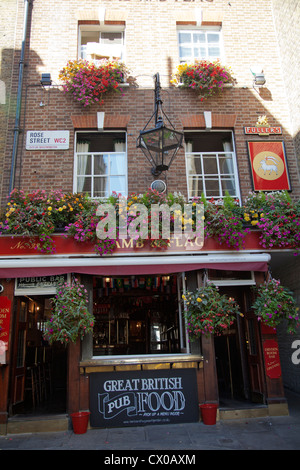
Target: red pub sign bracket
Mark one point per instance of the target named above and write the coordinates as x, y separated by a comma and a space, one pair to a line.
5, 308
272, 360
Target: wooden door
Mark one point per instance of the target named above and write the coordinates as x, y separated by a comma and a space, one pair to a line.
19, 352
255, 359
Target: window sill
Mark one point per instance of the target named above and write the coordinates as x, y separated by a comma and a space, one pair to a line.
155, 361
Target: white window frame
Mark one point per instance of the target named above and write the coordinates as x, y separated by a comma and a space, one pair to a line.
102, 29
205, 30
218, 175
75, 173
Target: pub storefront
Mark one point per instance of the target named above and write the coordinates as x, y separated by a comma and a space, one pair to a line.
138, 365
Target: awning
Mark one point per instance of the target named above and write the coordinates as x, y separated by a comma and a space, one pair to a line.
130, 265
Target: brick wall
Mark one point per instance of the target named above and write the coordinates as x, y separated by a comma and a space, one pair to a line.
151, 46
289, 274
7, 58
287, 12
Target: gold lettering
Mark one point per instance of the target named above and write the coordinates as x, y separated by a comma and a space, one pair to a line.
127, 244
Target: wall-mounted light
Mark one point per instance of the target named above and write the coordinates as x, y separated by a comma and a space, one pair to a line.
259, 78
46, 79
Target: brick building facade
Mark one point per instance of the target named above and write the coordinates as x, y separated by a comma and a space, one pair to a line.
246, 37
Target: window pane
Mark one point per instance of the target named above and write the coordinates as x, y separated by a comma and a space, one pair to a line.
210, 165
195, 187
112, 38
84, 184
117, 164
199, 52
199, 37
213, 37
101, 164
185, 37
212, 187
194, 165
185, 51
117, 184
226, 165
84, 164
89, 36
214, 52
101, 187
228, 184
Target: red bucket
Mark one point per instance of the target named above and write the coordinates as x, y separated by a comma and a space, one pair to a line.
80, 421
209, 413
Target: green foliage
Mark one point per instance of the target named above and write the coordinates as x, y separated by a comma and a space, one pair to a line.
275, 303
208, 312
70, 318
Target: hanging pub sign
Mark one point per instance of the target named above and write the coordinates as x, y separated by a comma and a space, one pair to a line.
268, 166
137, 398
5, 309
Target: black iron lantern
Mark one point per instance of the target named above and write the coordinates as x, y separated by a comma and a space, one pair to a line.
161, 143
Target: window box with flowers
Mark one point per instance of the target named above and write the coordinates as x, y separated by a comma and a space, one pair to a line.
224, 222
208, 312
41, 214
276, 216
38, 214
205, 77
88, 82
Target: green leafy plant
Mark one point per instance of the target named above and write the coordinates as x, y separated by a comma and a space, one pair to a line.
275, 303
208, 312
207, 78
70, 317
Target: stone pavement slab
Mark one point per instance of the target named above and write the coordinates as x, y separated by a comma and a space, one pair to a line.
267, 433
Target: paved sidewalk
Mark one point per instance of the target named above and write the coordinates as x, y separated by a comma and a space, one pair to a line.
269, 433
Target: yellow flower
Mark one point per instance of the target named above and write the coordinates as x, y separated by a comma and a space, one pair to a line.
60, 209
183, 297
198, 299
254, 222
49, 208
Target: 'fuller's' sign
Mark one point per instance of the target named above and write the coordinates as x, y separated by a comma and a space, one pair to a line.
262, 130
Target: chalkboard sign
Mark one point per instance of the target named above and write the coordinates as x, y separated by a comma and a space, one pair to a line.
143, 397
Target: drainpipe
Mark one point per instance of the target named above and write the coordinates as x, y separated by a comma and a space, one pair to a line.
19, 97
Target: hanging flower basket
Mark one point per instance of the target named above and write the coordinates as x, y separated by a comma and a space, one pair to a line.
275, 303
88, 82
207, 78
208, 312
70, 318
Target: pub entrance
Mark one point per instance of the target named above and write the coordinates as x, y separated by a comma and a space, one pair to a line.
39, 371
238, 355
